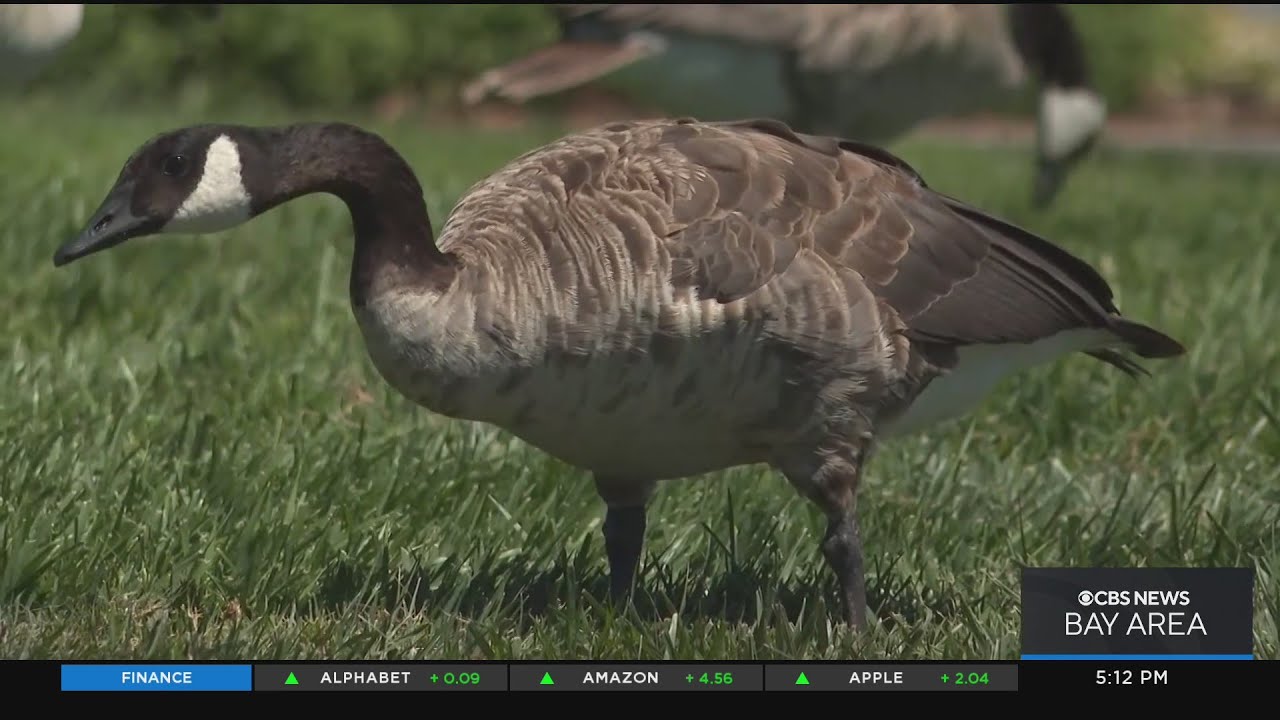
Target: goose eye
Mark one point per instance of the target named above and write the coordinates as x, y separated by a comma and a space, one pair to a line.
174, 165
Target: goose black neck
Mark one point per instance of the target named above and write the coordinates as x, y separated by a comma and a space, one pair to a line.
1049, 44
394, 242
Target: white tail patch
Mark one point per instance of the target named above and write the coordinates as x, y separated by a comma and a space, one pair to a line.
979, 370
220, 200
1067, 119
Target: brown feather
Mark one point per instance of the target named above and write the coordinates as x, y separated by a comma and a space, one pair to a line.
955, 274
815, 285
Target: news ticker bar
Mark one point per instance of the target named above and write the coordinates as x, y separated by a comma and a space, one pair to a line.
964, 677
503, 677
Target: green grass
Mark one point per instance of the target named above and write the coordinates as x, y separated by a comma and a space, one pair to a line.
200, 462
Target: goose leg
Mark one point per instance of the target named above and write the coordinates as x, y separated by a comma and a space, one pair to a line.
842, 547
623, 542
830, 481
624, 527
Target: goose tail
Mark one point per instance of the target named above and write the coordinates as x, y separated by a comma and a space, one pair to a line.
1143, 341
1146, 341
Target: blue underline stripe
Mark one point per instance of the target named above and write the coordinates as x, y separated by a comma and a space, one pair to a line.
1073, 656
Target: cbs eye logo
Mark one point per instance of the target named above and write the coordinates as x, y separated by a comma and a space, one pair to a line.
1103, 597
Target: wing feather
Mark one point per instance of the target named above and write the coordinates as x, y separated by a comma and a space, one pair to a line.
760, 195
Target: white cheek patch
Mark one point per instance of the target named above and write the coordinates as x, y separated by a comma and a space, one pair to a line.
1067, 119
219, 201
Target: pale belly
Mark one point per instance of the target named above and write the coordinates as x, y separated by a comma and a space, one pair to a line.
636, 416
882, 106
624, 446
647, 409
627, 414
708, 79
981, 368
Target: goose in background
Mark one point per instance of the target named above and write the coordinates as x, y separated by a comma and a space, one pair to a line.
31, 36
660, 299
865, 71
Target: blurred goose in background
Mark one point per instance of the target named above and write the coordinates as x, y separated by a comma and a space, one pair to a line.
659, 299
871, 72
31, 35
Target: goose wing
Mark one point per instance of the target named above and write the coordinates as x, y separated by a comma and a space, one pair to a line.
759, 195
862, 36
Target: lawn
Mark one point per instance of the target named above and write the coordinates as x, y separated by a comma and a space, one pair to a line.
198, 461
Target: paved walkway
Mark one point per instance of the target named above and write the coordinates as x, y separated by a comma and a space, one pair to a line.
1135, 133
1206, 125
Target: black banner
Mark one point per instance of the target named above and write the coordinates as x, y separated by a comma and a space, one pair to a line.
275, 677
1137, 613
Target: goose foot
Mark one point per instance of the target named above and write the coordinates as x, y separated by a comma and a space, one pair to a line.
1049, 179
842, 547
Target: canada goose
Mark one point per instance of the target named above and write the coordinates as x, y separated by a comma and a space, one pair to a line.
30, 35
659, 299
867, 71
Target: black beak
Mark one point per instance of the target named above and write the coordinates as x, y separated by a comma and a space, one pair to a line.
111, 224
1049, 177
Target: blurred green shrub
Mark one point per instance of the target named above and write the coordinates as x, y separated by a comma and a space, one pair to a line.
350, 55
1243, 63
333, 55
1136, 51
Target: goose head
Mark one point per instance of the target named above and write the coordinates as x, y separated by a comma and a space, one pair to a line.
209, 178
187, 181
1068, 124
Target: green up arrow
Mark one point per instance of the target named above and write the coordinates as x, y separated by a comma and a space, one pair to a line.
546, 679
291, 680
802, 680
